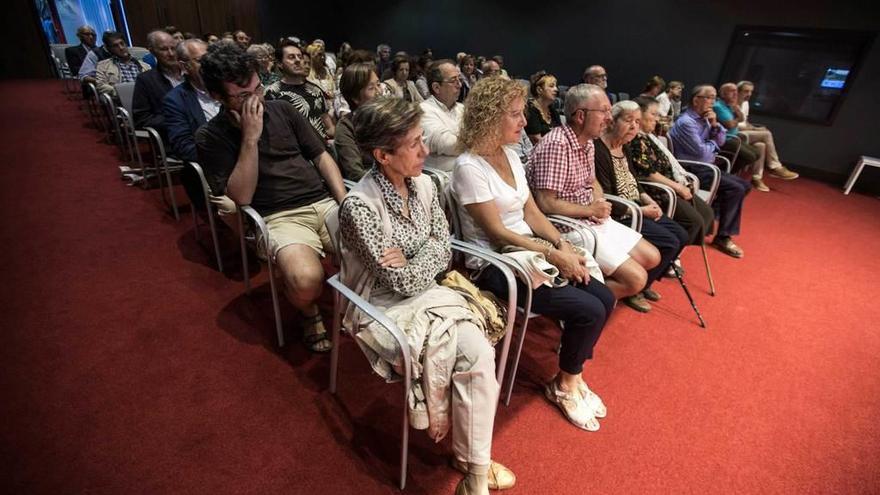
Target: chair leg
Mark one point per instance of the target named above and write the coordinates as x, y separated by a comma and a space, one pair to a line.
335, 338
854, 176
516, 355
276, 308
215, 238
244, 257
170, 191
404, 442
708, 271
677, 271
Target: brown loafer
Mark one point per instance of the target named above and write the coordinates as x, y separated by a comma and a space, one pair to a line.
783, 173
759, 185
727, 247
638, 303
500, 477
651, 295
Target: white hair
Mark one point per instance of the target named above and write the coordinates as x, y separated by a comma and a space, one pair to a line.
622, 107
579, 94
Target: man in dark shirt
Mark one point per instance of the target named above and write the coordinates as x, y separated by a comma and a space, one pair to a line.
151, 87
258, 154
76, 54
293, 87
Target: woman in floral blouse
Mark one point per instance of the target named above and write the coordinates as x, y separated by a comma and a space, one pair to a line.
395, 242
653, 161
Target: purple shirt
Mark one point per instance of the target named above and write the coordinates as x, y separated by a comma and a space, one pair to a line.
694, 139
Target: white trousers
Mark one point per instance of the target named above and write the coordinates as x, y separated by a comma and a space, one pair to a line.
474, 396
771, 157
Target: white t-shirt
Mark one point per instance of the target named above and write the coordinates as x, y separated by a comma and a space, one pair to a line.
475, 181
663, 104
744, 108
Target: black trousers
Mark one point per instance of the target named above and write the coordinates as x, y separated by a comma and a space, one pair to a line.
728, 202
696, 218
669, 238
583, 308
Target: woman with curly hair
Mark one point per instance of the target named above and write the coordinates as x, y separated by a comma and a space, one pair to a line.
497, 211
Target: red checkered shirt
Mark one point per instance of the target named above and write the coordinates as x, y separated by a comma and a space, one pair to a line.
560, 163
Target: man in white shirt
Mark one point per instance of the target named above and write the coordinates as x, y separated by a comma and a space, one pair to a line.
442, 115
760, 134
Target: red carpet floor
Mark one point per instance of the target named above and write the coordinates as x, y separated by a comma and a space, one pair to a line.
131, 365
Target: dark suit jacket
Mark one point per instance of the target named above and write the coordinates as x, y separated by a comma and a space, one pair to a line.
75, 56
150, 89
183, 117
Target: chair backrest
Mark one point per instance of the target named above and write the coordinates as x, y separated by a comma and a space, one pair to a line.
622, 96
58, 51
125, 91
138, 52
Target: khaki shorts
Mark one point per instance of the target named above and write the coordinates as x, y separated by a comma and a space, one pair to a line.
303, 225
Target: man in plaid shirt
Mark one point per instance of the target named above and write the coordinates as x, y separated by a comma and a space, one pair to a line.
563, 182
121, 67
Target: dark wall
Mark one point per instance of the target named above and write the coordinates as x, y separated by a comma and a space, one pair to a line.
28, 56
633, 40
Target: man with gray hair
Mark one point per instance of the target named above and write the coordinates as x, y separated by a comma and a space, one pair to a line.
151, 87
760, 134
443, 115
598, 76
563, 181
76, 54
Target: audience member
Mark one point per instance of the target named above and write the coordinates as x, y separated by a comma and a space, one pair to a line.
759, 134
442, 115
668, 100
395, 243
654, 87
89, 67
119, 68
750, 156
175, 33
500, 60
242, 38
329, 58
616, 175
266, 62
651, 160
186, 108
562, 177
258, 153
490, 68
320, 73
210, 38
383, 61
541, 114
598, 76
697, 135
497, 211
151, 86
76, 54
358, 85
399, 85
304, 95
419, 78
468, 75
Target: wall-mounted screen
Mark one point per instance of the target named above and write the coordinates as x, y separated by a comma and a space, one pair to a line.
798, 74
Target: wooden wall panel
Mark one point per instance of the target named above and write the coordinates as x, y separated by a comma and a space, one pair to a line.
196, 16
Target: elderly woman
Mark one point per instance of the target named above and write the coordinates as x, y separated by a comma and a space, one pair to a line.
653, 161
359, 84
400, 85
615, 175
395, 242
468, 67
498, 211
540, 115
266, 61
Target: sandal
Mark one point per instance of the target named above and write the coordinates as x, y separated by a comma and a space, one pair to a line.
651, 295
573, 406
500, 477
317, 340
727, 247
593, 400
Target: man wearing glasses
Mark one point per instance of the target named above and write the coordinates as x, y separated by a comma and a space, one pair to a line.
265, 154
562, 177
443, 115
598, 76
697, 135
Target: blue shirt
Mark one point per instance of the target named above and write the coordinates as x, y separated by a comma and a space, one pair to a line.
724, 113
694, 139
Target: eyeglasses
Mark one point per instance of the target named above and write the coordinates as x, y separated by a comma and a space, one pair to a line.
599, 76
713, 97
247, 94
606, 111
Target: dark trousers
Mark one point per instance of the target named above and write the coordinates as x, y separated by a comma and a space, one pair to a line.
669, 238
583, 308
728, 202
696, 218
747, 155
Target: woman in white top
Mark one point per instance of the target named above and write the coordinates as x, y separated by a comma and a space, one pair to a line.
497, 210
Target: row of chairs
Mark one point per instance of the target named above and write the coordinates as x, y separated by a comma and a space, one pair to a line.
254, 236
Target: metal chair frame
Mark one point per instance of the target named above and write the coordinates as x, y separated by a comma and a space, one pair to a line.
209, 212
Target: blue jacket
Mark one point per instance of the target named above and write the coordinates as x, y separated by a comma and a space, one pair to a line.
183, 117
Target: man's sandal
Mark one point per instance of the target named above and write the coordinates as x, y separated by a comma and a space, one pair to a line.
316, 340
727, 247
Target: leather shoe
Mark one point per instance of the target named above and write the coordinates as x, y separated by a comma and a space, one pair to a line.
638, 303
783, 173
759, 185
726, 246
651, 295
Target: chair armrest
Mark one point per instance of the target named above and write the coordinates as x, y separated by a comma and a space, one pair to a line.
694, 180
634, 209
259, 224
716, 176
725, 162
581, 228
671, 197
377, 315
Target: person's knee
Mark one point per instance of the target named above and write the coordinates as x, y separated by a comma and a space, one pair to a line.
301, 268
632, 275
648, 254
